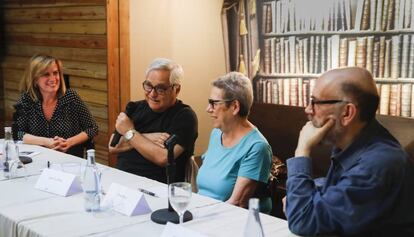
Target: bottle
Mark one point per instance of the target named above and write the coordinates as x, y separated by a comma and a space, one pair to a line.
9, 150
91, 183
253, 226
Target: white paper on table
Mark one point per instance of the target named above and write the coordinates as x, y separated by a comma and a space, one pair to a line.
58, 182
125, 200
174, 230
160, 191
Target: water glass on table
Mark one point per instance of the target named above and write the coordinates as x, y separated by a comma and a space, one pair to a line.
179, 195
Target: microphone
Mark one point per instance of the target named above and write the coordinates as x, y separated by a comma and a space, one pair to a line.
171, 168
129, 110
162, 216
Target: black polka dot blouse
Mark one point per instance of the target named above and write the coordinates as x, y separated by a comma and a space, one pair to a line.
71, 117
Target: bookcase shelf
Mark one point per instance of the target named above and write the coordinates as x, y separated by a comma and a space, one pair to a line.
304, 76
297, 46
354, 33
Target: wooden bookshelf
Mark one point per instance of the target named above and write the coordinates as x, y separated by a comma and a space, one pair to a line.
298, 46
342, 33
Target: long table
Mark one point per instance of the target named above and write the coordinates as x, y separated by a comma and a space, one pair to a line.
26, 211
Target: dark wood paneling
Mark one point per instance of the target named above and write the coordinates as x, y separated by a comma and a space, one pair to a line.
55, 13
73, 54
72, 30
58, 40
67, 27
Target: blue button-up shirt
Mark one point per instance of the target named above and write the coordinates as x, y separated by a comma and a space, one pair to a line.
369, 187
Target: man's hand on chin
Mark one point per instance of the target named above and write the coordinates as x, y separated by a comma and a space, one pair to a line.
310, 136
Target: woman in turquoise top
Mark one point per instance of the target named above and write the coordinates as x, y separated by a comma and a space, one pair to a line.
236, 165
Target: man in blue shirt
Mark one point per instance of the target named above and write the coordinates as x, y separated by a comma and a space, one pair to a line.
369, 188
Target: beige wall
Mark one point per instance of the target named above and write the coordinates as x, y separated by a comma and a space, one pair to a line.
188, 32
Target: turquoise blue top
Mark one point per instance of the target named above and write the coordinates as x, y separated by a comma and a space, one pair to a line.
251, 158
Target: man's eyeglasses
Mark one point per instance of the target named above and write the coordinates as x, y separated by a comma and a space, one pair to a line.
213, 103
159, 89
314, 102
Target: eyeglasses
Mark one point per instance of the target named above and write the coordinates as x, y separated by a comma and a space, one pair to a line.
159, 89
314, 102
213, 103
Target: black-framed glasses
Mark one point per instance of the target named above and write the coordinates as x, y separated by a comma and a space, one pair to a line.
213, 103
314, 102
159, 89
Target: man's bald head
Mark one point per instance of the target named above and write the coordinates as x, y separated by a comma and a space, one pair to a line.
357, 85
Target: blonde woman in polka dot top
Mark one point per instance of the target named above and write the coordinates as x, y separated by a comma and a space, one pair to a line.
47, 113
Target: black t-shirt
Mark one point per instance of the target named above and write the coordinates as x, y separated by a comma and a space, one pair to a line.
179, 120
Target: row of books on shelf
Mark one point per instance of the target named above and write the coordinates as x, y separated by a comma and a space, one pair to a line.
383, 56
284, 16
396, 99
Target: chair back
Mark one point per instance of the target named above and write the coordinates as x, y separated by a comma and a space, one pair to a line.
191, 172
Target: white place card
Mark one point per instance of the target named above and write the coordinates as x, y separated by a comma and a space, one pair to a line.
125, 200
58, 182
174, 230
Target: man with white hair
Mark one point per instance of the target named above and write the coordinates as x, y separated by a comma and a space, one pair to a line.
148, 123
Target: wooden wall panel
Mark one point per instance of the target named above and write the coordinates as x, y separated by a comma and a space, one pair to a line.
83, 55
58, 40
55, 13
72, 27
74, 31
88, 83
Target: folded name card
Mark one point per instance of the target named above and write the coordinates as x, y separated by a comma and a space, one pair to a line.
173, 230
125, 200
58, 182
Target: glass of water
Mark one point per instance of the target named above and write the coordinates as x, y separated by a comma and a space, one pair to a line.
179, 195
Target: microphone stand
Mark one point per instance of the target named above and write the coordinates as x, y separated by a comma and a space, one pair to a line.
162, 216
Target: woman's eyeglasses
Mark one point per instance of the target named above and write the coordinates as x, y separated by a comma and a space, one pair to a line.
213, 103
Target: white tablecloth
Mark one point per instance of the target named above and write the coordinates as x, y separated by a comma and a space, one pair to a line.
26, 211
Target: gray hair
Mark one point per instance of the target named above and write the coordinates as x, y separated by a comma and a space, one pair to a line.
176, 71
236, 86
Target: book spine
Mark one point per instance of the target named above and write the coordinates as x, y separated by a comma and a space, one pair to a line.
411, 59
382, 57
361, 52
404, 56
305, 56
343, 52
385, 99
378, 17
375, 59
352, 53
406, 92
372, 14
387, 63
365, 15
370, 50
395, 57
390, 15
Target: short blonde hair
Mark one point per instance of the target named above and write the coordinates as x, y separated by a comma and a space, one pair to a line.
36, 67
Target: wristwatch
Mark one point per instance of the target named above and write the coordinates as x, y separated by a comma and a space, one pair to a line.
129, 134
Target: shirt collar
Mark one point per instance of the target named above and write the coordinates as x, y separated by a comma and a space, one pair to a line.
347, 157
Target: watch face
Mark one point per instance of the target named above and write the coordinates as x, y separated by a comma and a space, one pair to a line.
129, 134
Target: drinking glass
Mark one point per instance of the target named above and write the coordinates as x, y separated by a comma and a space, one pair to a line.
14, 163
179, 195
